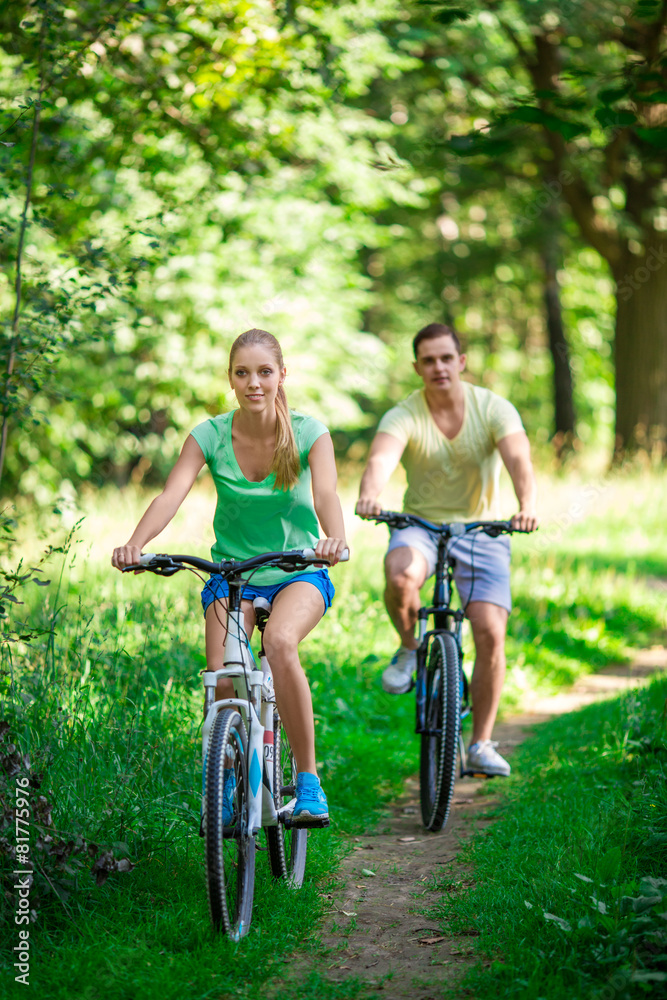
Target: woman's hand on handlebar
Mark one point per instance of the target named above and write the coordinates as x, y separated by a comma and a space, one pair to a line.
331, 549
125, 555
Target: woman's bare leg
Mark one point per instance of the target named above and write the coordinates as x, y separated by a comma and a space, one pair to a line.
296, 610
216, 636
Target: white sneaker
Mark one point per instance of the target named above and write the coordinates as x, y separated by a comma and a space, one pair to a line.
397, 678
482, 757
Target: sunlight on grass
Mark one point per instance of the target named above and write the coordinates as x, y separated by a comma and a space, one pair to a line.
107, 701
577, 862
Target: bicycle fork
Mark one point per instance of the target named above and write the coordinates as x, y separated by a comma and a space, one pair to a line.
420, 684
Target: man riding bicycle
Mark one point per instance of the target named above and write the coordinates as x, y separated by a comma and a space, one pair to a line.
451, 437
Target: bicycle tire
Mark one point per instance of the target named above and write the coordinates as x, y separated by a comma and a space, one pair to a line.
230, 850
437, 765
287, 845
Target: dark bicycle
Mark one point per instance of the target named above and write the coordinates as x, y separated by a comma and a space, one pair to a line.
442, 700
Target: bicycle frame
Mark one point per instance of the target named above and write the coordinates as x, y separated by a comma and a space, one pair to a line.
255, 699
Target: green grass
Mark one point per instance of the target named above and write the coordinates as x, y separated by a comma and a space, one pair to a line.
108, 707
570, 883
587, 591
107, 702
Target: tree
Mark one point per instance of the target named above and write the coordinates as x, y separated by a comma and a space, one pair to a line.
592, 81
200, 170
475, 248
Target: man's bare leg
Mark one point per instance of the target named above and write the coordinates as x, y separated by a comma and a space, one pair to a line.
489, 627
405, 572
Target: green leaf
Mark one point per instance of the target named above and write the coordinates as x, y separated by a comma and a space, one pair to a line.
611, 94
615, 119
536, 116
648, 9
638, 904
654, 136
657, 97
563, 924
478, 142
609, 864
449, 16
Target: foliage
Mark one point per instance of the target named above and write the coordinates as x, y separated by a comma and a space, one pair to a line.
194, 174
554, 105
52, 864
173, 175
577, 860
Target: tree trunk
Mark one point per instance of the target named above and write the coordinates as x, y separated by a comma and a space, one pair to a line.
641, 351
564, 419
564, 416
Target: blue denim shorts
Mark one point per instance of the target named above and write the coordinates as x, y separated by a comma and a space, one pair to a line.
216, 589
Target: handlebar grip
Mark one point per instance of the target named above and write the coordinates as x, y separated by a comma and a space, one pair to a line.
145, 559
311, 554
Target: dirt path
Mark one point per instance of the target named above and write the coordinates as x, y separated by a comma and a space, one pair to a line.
376, 932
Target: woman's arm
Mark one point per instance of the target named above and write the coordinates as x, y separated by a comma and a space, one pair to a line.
327, 505
159, 514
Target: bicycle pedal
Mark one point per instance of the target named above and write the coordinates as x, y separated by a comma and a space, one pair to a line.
309, 824
477, 774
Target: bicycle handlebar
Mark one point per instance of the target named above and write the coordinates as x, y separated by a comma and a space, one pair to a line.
166, 565
454, 529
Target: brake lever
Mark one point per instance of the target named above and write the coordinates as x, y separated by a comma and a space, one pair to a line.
161, 565
493, 532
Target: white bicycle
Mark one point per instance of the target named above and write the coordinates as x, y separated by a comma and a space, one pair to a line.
248, 770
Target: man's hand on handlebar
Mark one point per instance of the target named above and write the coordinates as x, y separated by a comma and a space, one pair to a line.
525, 521
366, 507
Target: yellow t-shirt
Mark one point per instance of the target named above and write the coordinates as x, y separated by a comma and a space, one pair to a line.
453, 480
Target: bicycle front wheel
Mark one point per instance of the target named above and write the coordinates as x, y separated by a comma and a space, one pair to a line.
230, 848
438, 744
287, 846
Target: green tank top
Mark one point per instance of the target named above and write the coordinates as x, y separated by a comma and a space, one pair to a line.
251, 518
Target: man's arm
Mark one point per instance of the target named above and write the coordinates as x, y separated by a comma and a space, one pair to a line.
385, 454
515, 453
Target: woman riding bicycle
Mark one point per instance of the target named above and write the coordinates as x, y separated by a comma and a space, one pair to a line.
275, 476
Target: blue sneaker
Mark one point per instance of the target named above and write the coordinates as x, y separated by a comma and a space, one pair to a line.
228, 796
311, 807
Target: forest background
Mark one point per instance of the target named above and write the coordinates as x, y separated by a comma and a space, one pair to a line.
342, 174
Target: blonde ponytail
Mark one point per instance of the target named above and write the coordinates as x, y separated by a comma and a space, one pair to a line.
286, 463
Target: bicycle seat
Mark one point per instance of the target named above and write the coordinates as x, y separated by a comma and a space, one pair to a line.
262, 611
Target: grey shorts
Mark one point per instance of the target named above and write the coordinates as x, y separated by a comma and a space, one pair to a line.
482, 569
